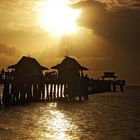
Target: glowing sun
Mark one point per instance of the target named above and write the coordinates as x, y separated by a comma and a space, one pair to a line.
56, 17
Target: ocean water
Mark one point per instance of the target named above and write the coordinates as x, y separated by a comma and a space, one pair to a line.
105, 116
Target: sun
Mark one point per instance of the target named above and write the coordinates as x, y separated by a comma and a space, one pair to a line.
56, 17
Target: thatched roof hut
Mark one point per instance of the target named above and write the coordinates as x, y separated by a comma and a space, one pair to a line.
27, 67
69, 69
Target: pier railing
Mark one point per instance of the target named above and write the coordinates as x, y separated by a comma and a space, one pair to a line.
22, 92
43, 88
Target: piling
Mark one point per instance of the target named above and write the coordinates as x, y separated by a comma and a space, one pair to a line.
6, 98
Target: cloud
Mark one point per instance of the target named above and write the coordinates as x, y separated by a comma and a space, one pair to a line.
17, 14
112, 5
7, 51
118, 23
119, 27
8, 55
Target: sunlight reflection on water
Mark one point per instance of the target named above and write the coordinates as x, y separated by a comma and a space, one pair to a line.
59, 126
104, 116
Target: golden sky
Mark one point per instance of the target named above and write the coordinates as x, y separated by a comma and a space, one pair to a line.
107, 38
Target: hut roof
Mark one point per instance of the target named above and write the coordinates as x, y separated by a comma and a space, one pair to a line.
109, 75
27, 61
69, 61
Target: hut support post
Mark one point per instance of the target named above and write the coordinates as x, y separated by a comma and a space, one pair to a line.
54, 91
58, 91
51, 91
61, 91
47, 90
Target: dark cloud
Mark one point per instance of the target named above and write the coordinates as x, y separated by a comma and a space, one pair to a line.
121, 28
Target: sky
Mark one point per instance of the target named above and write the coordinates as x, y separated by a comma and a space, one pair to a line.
108, 38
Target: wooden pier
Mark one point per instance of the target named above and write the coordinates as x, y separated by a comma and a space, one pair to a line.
20, 93
27, 83
26, 92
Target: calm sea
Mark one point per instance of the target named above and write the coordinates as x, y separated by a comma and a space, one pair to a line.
106, 116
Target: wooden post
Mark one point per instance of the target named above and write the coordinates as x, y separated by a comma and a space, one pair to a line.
114, 87
61, 91
80, 96
13, 90
58, 91
0, 99
121, 88
51, 91
39, 90
43, 90
6, 96
17, 93
22, 93
65, 87
54, 91
35, 91
29, 91
47, 90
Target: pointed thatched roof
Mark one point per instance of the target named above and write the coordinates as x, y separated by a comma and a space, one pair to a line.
68, 61
27, 62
